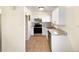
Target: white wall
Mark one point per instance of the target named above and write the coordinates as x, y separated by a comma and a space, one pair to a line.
12, 26
0, 32
72, 22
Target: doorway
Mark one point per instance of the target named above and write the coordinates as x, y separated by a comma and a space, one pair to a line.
27, 19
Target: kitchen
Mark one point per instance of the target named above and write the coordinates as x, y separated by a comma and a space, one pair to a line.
51, 23
58, 27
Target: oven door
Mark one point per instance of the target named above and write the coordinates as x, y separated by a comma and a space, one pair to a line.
38, 29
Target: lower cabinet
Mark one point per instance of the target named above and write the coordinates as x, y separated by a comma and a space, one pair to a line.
60, 43
44, 31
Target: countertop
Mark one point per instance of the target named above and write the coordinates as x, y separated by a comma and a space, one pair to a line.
56, 31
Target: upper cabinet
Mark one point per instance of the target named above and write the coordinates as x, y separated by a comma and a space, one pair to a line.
46, 19
44, 16
58, 16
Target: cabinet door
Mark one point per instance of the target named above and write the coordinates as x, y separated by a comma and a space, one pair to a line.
55, 16
59, 43
61, 16
58, 16
44, 31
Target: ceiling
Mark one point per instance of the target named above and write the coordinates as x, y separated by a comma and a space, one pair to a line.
46, 8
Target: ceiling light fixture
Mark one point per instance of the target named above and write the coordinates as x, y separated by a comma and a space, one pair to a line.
41, 8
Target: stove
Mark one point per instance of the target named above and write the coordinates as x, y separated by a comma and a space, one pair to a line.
37, 28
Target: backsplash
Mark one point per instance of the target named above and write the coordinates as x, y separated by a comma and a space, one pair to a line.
44, 24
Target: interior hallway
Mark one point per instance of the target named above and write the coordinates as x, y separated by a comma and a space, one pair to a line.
37, 43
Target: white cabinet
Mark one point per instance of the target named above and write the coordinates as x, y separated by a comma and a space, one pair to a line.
60, 43
55, 16
46, 18
58, 16
44, 31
